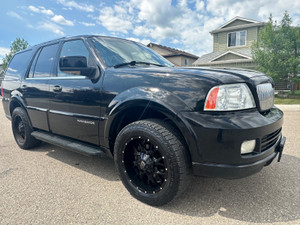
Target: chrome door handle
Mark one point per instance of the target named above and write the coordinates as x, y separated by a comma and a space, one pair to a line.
57, 88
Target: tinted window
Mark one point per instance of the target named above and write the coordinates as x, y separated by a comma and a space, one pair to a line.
45, 61
19, 64
74, 58
30, 75
117, 51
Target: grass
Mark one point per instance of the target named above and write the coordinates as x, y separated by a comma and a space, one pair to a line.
297, 92
286, 101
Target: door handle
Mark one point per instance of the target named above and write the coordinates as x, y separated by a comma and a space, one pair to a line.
57, 88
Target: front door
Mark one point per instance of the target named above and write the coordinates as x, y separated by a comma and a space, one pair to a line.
74, 102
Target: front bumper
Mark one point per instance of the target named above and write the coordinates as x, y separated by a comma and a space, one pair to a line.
219, 138
238, 171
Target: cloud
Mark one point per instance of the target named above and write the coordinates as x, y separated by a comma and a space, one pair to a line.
14, 15
115, 19
73, 4
186, 24
51, 27
41, 9
61, 20
260, 10
87, 24
199, 5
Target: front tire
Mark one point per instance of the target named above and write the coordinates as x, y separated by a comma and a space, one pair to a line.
152, 161
22, 130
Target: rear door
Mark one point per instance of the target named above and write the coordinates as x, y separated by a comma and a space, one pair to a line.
74, 102
35, 87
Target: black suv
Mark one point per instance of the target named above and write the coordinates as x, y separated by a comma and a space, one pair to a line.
107, 96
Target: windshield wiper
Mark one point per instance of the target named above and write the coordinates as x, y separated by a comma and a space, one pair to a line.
133, 63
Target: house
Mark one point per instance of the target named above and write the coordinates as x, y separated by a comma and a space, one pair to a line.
175, 56
232, 44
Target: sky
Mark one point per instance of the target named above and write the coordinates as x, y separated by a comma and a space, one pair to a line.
180, 24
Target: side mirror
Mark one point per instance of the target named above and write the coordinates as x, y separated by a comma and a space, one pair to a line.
76, 65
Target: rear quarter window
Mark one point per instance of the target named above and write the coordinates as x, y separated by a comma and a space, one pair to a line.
18, 65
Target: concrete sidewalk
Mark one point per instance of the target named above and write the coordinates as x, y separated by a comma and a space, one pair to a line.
289, 107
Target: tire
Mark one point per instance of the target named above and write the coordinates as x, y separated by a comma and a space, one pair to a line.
152, 162
22, 130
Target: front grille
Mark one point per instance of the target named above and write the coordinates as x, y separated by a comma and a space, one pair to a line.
269, 140
265, 94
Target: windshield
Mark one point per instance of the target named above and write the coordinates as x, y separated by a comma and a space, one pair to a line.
116, 52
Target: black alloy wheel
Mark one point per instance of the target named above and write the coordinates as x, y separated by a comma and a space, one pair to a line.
152, 161
19, 129
145, 165
22, 130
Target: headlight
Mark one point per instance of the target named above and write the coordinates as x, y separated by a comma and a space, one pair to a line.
229, 97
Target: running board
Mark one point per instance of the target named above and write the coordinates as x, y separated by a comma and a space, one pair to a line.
68, 144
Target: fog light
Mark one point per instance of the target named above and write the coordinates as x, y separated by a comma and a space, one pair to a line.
248, 146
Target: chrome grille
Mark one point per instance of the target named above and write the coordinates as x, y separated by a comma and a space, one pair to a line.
265, 94
269, 140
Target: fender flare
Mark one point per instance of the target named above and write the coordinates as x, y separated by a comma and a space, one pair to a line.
158, 100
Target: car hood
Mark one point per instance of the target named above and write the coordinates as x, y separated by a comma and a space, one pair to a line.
190, 85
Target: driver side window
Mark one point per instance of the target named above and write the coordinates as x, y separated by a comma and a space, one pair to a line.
74, 59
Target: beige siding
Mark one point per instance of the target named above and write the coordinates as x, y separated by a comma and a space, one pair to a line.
251, 35
237, 23
190, 61
216, 42
176, 60
246, 65
220, 39
229, 56
180, 60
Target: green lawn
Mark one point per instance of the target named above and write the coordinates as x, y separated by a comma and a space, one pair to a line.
297, 92
286, 101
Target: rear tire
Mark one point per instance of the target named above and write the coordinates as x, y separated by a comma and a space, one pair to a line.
152, 161
22, 130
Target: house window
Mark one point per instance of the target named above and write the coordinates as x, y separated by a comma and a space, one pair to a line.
186, 62
237, 38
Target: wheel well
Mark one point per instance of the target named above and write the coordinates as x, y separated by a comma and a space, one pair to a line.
134, 114
14, 104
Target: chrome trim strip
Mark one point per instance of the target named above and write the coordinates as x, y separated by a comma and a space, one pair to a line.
75, 115
265, 94
37, 108
59, 78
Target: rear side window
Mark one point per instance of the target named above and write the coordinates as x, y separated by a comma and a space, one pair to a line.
44, 61
18, 65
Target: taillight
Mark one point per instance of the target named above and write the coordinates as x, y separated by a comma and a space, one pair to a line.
2, 92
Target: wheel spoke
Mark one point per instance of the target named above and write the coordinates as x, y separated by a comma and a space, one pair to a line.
159, 162
162, 174
146, 169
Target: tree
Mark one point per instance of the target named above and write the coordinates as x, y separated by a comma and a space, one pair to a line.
277, 50
18, 45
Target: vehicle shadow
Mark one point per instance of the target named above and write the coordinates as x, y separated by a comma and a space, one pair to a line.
99, 166
272, 195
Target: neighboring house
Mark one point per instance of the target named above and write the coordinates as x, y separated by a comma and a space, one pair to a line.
232, 44
175, 56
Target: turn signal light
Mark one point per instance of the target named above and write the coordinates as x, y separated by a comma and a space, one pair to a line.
212, 98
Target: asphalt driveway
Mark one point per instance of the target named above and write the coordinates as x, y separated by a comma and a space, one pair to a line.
50, 185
